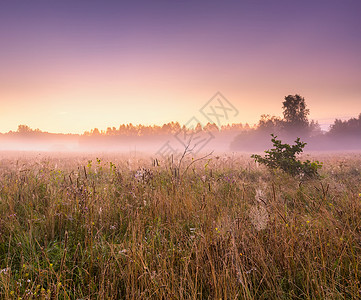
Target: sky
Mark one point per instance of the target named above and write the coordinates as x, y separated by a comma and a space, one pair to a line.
69, 66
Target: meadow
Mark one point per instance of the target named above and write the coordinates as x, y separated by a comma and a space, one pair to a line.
103, 226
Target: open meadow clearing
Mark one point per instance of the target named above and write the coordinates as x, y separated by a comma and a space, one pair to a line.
155, 150
117, 227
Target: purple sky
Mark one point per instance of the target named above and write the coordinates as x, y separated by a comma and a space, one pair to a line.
68, 66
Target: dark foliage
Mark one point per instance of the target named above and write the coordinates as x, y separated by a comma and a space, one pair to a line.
283, 156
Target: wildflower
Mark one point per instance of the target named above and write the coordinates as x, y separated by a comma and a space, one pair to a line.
143, 175
5, 271
12, 293
307, 221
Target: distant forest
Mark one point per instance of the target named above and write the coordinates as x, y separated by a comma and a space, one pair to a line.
342, 135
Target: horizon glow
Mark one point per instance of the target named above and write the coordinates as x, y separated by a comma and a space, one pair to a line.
69, 67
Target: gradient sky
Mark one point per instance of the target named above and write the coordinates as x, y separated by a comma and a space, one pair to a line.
69, 66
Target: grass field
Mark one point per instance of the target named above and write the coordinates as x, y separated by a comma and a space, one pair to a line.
71, 228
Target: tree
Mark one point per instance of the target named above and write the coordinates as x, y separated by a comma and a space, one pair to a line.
283, 156
198, 128
24, 129
212, 127
295, 113
269, 123
349, 127
95, 131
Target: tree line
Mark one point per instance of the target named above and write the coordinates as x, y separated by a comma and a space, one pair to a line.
294, 123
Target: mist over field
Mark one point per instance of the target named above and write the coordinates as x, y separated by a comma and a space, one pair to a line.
180, 149
341, 136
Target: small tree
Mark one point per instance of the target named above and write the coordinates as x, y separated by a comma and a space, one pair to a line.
283, 156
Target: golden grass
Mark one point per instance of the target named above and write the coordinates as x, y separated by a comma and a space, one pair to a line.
74, 229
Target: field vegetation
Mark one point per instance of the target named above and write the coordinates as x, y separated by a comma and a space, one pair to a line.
116, 227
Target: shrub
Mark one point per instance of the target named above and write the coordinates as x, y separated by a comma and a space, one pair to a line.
283, 156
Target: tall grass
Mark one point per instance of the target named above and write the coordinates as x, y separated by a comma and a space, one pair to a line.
72, 228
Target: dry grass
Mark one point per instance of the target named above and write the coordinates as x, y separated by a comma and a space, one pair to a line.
226, 230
